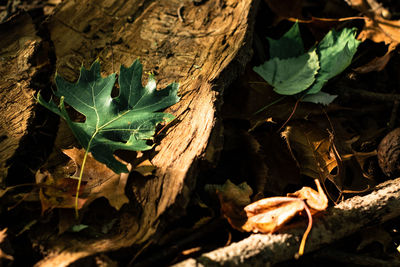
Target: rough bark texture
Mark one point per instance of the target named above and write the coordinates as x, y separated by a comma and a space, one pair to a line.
338, 222
178, 41
20, 63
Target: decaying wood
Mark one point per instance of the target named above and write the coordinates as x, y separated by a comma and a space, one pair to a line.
19, 45
200, 46
338, 222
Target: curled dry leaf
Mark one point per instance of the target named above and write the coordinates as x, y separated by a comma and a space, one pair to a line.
270, 214
378, 29
318, 157
232, 198
314, 151
98, 181
317, 201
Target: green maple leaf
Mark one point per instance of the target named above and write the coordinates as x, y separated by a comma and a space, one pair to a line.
125, 122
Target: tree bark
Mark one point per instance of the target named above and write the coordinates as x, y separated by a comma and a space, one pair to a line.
23, 57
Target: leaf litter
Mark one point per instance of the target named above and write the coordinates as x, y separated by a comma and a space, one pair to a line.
334, 145
312, 146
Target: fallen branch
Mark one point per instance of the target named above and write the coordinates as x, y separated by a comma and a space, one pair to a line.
338, 222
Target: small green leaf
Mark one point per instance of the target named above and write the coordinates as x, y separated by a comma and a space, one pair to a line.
125, 122
335, 53
319, 98
289, 45
79, 227
290, 76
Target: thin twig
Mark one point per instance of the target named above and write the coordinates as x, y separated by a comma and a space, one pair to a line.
290, 116
179, 12
314, 19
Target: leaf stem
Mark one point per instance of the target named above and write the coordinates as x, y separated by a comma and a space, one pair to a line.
78, 187
270, 104
305, 235
79, 183
290, 116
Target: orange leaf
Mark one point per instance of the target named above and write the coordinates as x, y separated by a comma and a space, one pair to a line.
269, 214
377, 27
315, 200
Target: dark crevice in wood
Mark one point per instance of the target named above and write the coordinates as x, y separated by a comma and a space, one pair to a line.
36, 145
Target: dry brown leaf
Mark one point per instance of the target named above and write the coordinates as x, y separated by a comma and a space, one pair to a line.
239, 194
315, 200
313, 149
376, 27
378, 63
97, 181
100, 180
233, 198
271, 214
56, 191
145, 168
379, 30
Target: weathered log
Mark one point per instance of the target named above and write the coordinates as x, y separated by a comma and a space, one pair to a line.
203, 47
23, 56
338, 222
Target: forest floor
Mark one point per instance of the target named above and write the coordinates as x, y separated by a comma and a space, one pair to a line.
274, 144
